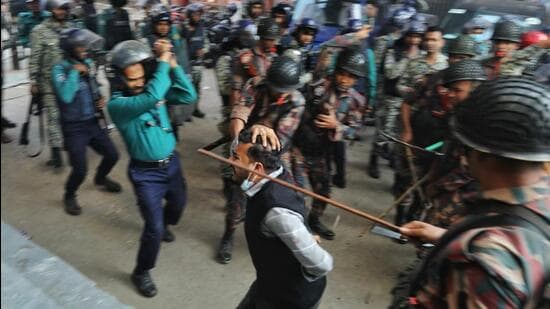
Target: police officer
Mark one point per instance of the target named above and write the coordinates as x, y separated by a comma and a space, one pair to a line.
451, 185
271, 108
254, 62
162, 28
331, 110
254, 10
138, 110
495, 247
477, 30
27, 20
195, 35
90, 15
78, 96
301, 39
45, 52
509, 59
394, 62
282, 14
114, 24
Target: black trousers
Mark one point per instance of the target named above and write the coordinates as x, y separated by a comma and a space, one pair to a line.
77, 137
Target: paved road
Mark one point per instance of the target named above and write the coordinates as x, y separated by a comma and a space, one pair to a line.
103, 241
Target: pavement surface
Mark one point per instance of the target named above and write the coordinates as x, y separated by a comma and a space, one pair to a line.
102, 242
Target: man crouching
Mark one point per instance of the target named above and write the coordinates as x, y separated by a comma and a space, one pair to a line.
290, 265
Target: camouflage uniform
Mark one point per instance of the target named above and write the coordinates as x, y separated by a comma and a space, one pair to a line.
247, 64
306, 53
413, 80
322, 97
255, 107
520, 60
386, 113
453, 187
45, 52
394, 64
502, 266
26, 21
223, 76
417, 87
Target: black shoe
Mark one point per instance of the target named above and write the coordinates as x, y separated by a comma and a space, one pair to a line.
168, 236
339, 181
6, 139
71, 206
318, 227
144, 283
8, 124
109, 185
55, 161
373, 169
198, 113
224, 251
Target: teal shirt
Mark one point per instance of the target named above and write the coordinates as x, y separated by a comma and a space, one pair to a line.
143, 120
26, 21
66, 83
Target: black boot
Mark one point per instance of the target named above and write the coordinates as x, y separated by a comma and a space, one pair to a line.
318, 227
108, 184
55, 161
339, 181
71, 205
144, 283
168, 235
8, 124
373, 169
225, 249
198, 113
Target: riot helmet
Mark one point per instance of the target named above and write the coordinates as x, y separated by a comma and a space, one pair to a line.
309, 24
71, 38
464, 70
506, 117
352, 61
507, 30
160, 13
463, 45
56, 4
283, 75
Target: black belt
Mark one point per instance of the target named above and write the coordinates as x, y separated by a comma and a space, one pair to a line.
152, 164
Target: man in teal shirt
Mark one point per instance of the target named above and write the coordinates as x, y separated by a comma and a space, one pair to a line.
137, 108
27, 20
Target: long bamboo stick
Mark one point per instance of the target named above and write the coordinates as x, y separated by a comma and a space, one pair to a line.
352, 210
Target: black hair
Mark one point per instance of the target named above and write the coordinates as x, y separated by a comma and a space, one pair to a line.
270, 159
374, 3
434, 28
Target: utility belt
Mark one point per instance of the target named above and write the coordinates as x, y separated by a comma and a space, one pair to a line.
164, 163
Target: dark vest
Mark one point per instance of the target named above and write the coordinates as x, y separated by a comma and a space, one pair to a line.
83, 107
279, 274
195, 41
117, 28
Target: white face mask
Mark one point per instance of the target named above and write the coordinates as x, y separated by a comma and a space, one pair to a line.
248, 183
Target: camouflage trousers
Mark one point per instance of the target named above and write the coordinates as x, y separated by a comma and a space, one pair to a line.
196, 77
316, 170
411, 206
388, 121
55, 136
